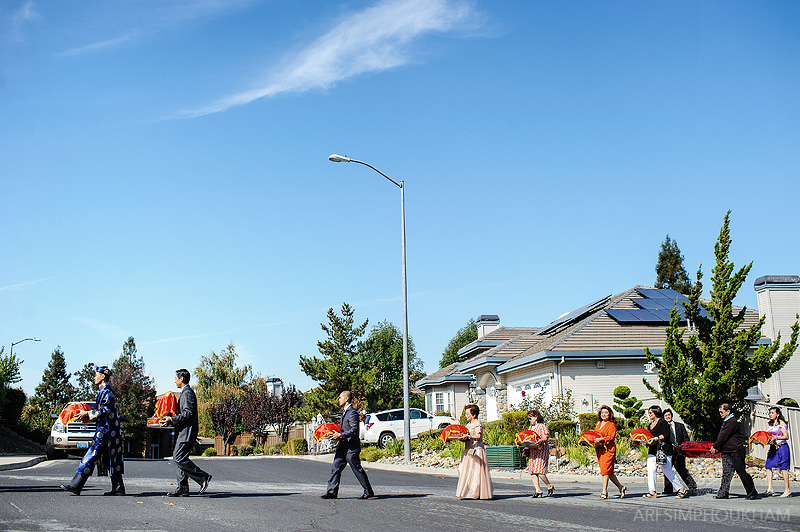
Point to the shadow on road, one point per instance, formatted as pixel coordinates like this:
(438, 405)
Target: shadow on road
(36, 489)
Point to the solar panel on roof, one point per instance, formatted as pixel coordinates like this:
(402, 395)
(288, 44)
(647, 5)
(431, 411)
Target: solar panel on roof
(572, 316)
(650, 304)
(622, 315)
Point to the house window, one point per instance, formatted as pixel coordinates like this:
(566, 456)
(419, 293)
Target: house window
(440, 406)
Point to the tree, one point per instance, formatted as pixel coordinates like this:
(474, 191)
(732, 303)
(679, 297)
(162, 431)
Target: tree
(339, 367)
(226, 416)
(381, 362)
(86, 390)
(55, 390)
(630, 407)
(9, 374)
(714, 364)
(262, 410)
(465, 335)
(135, 393)
(670, 272)
(215, 379)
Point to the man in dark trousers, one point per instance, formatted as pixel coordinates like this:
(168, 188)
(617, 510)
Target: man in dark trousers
(348, 450)
(186, 429)
(729, 443)
(678, 435)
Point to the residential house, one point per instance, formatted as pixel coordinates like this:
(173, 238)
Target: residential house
(779, 302)
(589, 351)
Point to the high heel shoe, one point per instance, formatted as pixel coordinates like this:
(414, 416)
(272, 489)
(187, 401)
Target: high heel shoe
(622, 492)
(550, 491)
(604, 495)
(537, 494)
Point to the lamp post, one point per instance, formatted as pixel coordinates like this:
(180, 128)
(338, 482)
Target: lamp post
(406, 404)
(11, 353)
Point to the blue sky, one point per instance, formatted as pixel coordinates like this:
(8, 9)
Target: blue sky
(164, 172)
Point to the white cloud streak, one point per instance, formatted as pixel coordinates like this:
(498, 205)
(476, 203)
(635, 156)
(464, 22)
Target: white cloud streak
(375, 39)
(100, 45)
(25, 14)
(26, 284)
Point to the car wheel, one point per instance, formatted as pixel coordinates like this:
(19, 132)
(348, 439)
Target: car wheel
(51, 453)
(443, 426)
(385, 438)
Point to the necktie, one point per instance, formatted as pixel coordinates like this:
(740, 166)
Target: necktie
(672, 429)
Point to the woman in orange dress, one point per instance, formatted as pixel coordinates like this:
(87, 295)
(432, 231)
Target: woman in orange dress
(607, 450)
(474, 481)
(540, 455)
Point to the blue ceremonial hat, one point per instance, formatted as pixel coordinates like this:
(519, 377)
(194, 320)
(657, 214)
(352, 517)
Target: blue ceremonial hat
(105, 370)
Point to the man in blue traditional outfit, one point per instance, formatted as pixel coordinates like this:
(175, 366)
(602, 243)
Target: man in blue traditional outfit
(107, 438)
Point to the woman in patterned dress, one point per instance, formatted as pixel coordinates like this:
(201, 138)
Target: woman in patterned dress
(778, 454)
(107, 438)
(606, 450)
(540, 454)
(474, 481)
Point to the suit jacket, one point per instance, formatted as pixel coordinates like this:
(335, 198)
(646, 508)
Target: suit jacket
(729, 439)
(185, 423)
(350, 429)
(681, 434)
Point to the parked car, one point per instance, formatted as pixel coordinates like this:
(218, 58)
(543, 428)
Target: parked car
(383, 427)
(74, 437)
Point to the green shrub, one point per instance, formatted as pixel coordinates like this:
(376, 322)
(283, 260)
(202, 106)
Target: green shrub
(454, 449)
(12, 406)
(372, 453)
(788, 401)
(297, 446)
(579, 454)
(245, 450)
(567, 438)
(629, 407)
(258, 450)
(210, 452)
(564, 427)
(252, 442)
(587, 421)
(432, 444)
(279, 448)
(623, 445)
(494, 436)
(430, 434)
(395, 447)
(514, 422)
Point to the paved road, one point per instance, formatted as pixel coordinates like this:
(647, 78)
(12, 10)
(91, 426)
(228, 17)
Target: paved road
(283, 494)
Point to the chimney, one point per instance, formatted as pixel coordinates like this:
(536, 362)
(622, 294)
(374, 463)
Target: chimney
(487, 323)
(778, 300)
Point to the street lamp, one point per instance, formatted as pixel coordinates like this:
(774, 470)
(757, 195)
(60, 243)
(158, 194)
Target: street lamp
(406, 405)
(11, 354)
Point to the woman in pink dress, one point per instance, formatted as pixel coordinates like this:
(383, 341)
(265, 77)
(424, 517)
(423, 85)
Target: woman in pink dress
(540, 454)
(474, 481)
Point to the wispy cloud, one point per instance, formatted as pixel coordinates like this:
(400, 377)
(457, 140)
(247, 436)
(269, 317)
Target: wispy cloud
(102, 44)
(375, 39)
(106, 329)
(25, 14)
(25, 284)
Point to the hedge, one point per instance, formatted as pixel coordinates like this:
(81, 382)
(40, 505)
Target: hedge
(561, 426)
(297, 446)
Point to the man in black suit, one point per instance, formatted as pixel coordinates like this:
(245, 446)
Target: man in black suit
(678, 435)
(729, 443)
(348, 451)
(186, 428)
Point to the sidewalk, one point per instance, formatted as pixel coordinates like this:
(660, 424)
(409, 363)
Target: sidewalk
(20, 461)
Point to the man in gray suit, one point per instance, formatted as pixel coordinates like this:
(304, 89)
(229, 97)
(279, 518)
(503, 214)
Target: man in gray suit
(186, 429)
(348, 451)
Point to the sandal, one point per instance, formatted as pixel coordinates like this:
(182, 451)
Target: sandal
(604, 495)
(785, 494)
(682, 494)
(768, 493)
(649, 496)
(622, 492)
(537, 494)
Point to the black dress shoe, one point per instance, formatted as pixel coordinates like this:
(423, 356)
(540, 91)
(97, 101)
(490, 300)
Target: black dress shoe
(367, 496)
(178, 493)
(116, 492)
(204, 485)
(328, 496)
(67, 487)
(718, 496)
(752, 497)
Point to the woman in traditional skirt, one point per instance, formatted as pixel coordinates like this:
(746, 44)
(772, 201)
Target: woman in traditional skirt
(474, 481)
(540, 454)
(778, 454)
(606, 450)
(107, 438)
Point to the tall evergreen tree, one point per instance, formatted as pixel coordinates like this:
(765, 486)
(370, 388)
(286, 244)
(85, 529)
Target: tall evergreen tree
(381, 377)
(215, 379)
(135, 393)
(55, 390)
(713, 366)
(465, 335)
(670, 272)
(85, 390)
(339, 367)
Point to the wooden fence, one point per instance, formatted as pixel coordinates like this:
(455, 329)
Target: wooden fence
(295, 431)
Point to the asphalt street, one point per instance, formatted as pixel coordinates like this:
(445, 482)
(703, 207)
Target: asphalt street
(284, 494)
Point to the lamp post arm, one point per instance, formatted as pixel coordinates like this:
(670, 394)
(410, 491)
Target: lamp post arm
(400, 184)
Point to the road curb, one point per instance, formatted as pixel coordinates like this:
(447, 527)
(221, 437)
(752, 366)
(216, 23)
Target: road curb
(20, 465)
